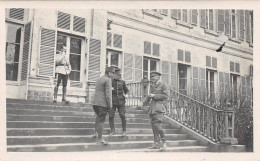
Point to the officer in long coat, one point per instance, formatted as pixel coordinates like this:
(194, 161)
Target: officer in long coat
(159, 93)
(63, 69)
(102, 102)
(119, 89)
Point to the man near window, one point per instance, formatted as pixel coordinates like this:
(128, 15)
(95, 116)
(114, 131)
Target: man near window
(102, 102)
(63, 69)
(156, 99)
(119, 89)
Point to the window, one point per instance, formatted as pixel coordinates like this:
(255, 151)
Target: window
(207, 19)
(182, 74)
(183, 15)
(221, 20)
(234, 86)
(184, 56)
(227, 22)
(113, 58)
(194, 17)
(210, 85)
(233, 24)
(241, 24)
(149, 65)
(74, 50)
(211, 62)
(114, 40)
(151, 48)
(16, 14)
(12, 50)
(249, 26)
(234, 67)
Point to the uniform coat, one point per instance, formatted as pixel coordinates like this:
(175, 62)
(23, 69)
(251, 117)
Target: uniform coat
(62, 64)
(118, 90)
(103, 92)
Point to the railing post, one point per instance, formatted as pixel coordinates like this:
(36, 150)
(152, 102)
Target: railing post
(229, 116)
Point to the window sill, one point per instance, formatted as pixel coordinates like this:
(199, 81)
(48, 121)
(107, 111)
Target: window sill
(234, 39)
(21, 22)
(152, 14)
(151, 56)
(184, 24)
(71, 32)
(211, 32)
(13, 83)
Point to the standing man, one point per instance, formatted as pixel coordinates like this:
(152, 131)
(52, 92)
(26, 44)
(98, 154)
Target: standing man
(157, 107)
(144, 83)
(119, 89)
(102, 102)
(63, 69)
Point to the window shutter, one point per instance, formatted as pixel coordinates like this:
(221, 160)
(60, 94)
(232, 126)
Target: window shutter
(194, 17)
(94, 59)
(195, 82)
(138, 68)
(203, 18)
(180, 55)
(187, 57)
(202, 79)
(233, 24)
(128, 67)
(227, 81)
(63, 20)
(174, 80)
(227, 22)
(232, 67)
(16, 13)
(221, 84)
(174, 13)
(156, 49)
(164, 12)
(109, 37)
(117, 41)
(221, 17)
(165, 72)
(252, 27)
(237, 67)
(241, 24)
(249, 87)
(243, 82)
(147, 48)
(79, 24)
(208, 61)
(211, 21)
(179, 14)
(26, 51)
(247, 26)
(47, 52)
(185, 15)
(214, 62)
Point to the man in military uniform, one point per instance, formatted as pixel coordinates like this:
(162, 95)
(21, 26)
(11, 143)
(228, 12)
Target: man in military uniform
(159, 93)
(102, 102)
(119, 89)
(63, 69)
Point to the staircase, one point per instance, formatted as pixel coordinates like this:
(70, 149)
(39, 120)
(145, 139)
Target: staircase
(34, 126)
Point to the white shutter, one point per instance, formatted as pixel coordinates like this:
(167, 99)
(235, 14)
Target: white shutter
(138, 68)
(174, 80)
(16, 13)
(203, 18)
(227, 22)
(47, 52)
(165, 72)
(79, 24)
(63, 20)
(128, 67)
(195, 82)
(221, 18)
(194, 17)
(94, 59)
(26, 51)
(248, 26)
(202, 79)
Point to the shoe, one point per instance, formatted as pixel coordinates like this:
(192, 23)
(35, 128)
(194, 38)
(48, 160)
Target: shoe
(101, 142)
(164, 146)
(112, 133)
(124, 134)
(64, 93)
(66, 101)
(154, 147)
(55, 100)
(95, 135)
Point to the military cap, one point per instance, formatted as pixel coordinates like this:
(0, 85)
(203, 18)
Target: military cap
(110, 69)
(154, 73)
(118, 71)
(64, 47)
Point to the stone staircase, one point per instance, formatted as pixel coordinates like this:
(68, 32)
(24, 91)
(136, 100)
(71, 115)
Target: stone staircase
(34, 126)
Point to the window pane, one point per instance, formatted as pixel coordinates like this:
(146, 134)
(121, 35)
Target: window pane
(75, 46)
(75, 62)
(61, 40)
(12, 53)
(74, 75)
(11, 71)
(145, 65)
(114, 59)
(183, 84)
(13, 33)
(182, 72)
(152, 65)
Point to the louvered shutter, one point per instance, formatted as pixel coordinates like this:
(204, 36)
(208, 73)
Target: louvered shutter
(227, 22)
(249, 88)
(203, 18)
(221, 17)
(244, 86)
(227, 85)
(214, 62)
(221, 84)
(94, 59)
(241, 24)
(247, 26)
(63, 20)
(128, 67)
(174, 80)
(165, 72)
(180, 55)
(26, 51)
(109, 38)
(47, 52)
(138, 68)
(79, 24)
(174, 13)
(147, 48)
(164, 12)
(208, 61)
(16, 13)
(179, 14)
(117, 41)
(194, 17)
(195, 82)
(202, 79)
(156, 49)
(187, 57)
(232, 66)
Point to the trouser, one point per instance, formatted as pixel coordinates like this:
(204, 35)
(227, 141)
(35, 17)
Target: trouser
(64, 79)
(121, 111)
(156, 122)
(101, 113)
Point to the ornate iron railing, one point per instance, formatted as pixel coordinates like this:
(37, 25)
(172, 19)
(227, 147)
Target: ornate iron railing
(210, 122)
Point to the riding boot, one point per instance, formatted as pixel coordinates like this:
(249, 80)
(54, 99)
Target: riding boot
(64, 95)
(55, 94)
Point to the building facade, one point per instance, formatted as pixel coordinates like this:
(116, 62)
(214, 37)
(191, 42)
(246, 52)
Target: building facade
(179, 43)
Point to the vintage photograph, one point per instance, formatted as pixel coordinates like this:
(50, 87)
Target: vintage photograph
(129, 80)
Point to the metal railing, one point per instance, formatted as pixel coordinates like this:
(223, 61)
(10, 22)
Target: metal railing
(197, 116)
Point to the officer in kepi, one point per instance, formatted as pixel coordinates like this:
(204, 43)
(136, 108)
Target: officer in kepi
(156, 99)
(119, 89)
(63, 69)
